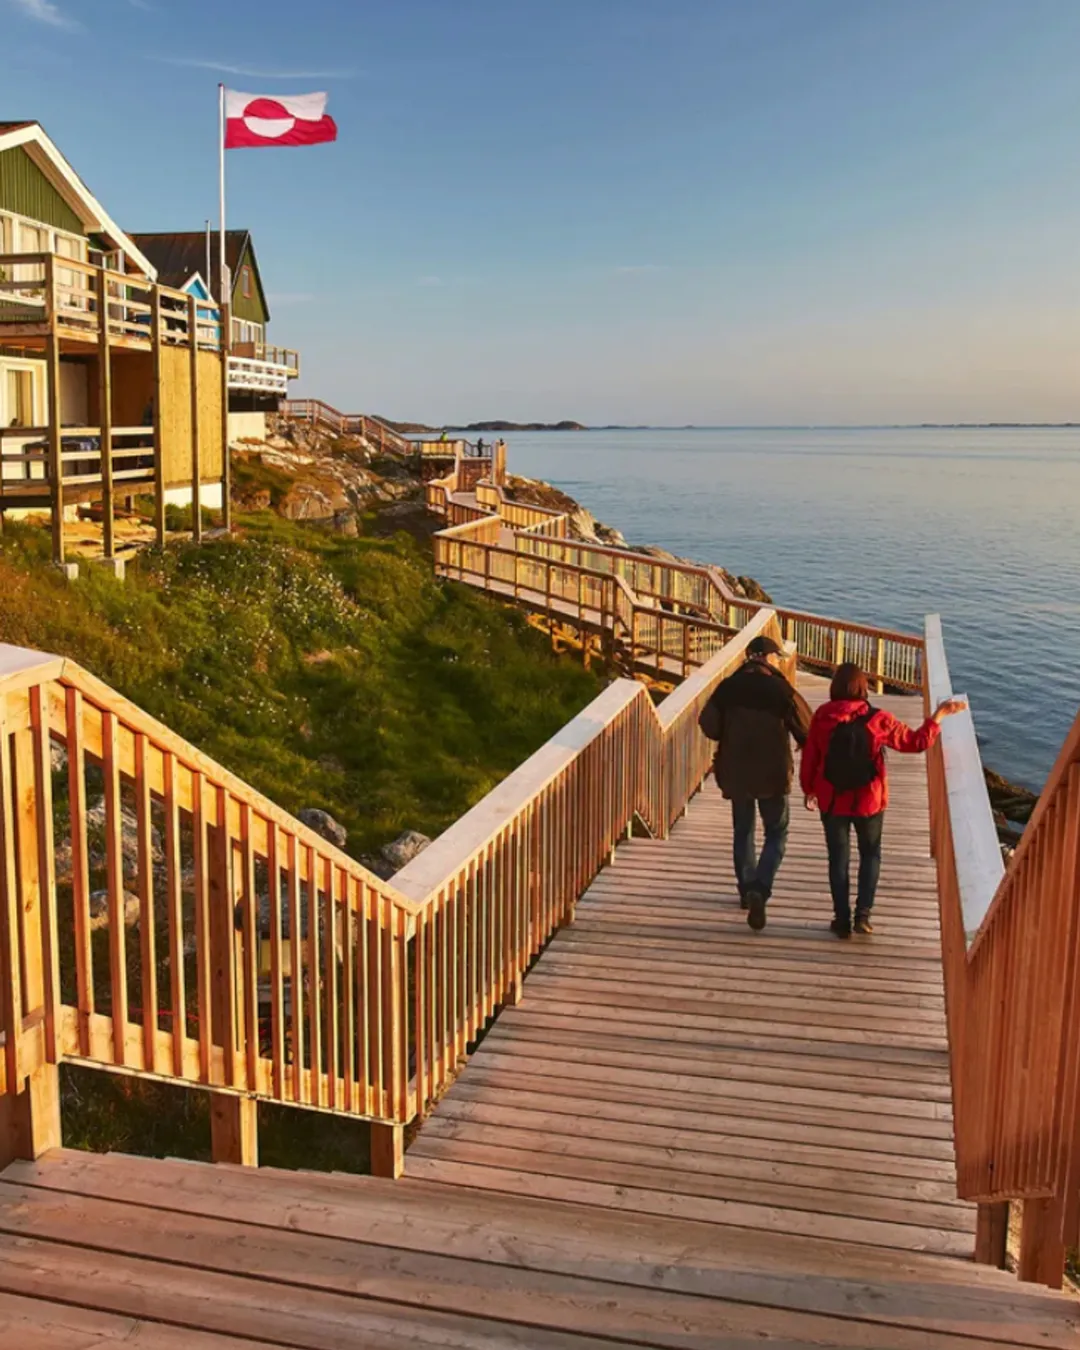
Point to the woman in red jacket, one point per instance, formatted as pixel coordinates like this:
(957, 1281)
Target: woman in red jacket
(843, 773)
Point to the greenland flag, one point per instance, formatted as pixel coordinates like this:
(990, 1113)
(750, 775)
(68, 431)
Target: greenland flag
(278, 119)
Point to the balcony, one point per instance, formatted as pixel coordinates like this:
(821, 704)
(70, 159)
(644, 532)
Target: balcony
(44, 294)
(260, 368)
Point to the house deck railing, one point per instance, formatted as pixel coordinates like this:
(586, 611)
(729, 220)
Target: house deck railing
(45, 292)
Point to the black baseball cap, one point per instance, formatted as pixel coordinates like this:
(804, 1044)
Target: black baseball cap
(764, 646)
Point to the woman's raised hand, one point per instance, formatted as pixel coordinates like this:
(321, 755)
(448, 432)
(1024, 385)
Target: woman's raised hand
(948, 707)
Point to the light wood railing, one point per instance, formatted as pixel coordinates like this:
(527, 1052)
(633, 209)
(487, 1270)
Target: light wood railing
(49, 291)
(159, 917)
(132, 454)
(1011, 950)
(892, 659)
(314, 412)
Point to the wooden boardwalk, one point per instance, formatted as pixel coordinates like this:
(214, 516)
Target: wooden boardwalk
(687, 1135)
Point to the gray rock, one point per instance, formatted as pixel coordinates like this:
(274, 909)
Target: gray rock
(99, 910)
(57, 756)
(324, 825)
(408, 845)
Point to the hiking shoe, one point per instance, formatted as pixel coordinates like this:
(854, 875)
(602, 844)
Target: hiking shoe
(863, 924)
(755, 909)
(841, 927)
(744, 903)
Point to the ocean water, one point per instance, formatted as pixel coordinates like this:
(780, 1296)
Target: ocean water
(881, 526)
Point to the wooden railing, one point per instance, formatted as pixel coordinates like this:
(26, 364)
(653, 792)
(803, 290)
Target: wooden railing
(161, 918)
(284, 359)
(260, 376)
(132, 455)
(891, 658)
(677, 612)
(1011, 948)
(47, 291)
(314, 412)
(641, 635)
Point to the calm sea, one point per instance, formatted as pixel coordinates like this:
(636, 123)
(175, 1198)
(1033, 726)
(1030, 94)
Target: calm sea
(882, 526)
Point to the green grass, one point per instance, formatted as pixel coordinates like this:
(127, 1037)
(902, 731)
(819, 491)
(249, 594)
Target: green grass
(325, 671)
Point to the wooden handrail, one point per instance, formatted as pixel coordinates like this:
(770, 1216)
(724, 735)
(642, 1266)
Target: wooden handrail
(1011, 952)
(229, 886)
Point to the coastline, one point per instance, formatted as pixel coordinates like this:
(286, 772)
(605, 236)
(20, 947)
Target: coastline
(1011, 803)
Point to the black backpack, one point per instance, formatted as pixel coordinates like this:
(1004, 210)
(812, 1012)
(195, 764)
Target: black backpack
(850, 762)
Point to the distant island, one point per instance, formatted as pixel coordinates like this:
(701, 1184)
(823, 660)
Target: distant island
(497, 425)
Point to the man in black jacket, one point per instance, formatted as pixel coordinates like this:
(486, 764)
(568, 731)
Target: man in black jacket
(754, 715)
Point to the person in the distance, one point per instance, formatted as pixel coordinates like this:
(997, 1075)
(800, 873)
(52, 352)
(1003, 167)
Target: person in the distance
(843, 774)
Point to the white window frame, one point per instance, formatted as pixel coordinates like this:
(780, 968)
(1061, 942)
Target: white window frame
(14, 224)
(12, 441)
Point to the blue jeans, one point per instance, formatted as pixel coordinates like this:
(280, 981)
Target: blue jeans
(838, 842)
(750, 870)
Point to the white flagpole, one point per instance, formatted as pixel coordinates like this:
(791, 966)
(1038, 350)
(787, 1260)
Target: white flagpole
(223, 280)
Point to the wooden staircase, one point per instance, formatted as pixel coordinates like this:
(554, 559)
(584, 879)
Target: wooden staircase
(685, 1135)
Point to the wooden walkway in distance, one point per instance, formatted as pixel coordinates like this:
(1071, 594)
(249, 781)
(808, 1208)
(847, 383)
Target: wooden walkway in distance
(688, 1135)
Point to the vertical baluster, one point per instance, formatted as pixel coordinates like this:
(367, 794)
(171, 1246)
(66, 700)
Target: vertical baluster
(114, 870)
(296, 972)
(40, 724)
(330, 930)
(147, 937)
(204, 970)
(174, 905)
(11, 992)
(277, 979)
(250, 949)
(80, 868)
(318, 1094)
(347, 889)
(365, 999)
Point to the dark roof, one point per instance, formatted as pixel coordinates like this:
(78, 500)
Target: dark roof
(15, 126)
(177, 257)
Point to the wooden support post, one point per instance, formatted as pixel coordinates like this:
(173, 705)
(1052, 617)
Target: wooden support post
(108, 541)
(196, 466)
(234, 1130)
(226, 474)
(387, 1150)
(30, 1120)
(839, 649)
(159, 459)
(1042, 1251)
(879, 666)
(992, 1234)
(56, 463)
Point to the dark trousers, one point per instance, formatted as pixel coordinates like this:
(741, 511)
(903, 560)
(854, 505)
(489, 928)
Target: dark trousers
(838, 842)
(751, 870)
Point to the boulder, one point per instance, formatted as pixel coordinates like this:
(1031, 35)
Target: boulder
(324, 825)
(99, 910)
(408, 845)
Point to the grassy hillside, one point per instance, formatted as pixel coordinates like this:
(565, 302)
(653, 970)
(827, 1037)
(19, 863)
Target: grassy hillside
(326, 671)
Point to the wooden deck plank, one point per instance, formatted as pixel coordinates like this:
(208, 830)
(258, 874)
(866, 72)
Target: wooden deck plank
(688, 1135)
(876, 1289)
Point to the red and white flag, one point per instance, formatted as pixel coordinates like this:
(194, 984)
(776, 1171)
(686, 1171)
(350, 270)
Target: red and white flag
(278, 119)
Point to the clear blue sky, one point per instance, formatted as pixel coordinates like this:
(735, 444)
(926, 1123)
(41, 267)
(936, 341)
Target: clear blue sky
(668, 211)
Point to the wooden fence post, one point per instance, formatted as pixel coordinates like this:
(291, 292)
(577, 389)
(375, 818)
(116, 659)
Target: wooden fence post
(159, 459)
(105, 439)
(56, 461)
(234, 1134)
(387, 1150)
(992, 1234)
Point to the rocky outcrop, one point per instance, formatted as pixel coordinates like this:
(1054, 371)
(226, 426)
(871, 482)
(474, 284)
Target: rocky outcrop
(397, 854)
(324, 825)
(306, 474)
